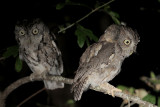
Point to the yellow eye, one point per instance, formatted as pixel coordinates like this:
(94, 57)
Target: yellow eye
(127, 42)
(35, 31)
(21, 32)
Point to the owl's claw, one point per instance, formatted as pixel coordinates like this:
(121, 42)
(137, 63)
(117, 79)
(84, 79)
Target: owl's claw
(33, 75)
(110, 89)
(115, 90)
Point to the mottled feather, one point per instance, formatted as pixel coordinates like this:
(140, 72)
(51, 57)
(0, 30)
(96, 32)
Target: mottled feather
(102, 61)
(38, 49)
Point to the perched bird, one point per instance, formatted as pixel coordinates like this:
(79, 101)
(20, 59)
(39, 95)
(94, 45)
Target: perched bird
(102, 61)
(39, 50)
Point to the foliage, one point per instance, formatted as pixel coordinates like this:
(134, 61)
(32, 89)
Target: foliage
(158, 101)
(18, 65)
(152, 75)
(150, 98)
(129, 90)
(115, 16)
(84, 35)
(70, 103)
(12, 51)
(81, 32)
(141, 93)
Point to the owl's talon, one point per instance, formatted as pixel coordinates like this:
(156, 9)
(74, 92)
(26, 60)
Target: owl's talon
(32, 76)
(115, 90)
(110, 89)
(43, 75)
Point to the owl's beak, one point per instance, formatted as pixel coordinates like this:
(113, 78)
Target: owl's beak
(133, 51)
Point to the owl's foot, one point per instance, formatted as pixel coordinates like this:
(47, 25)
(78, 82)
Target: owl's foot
(110, 89)
(115, 90)
(33, 75)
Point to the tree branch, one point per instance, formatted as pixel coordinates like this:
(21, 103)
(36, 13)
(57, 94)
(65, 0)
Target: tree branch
(27, 79)
(85, 16)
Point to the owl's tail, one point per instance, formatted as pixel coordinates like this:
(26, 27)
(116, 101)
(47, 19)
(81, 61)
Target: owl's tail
(51, 85)
(77, 89)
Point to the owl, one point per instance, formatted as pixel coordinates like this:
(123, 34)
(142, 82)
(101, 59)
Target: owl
(38, 49)
(102, 61)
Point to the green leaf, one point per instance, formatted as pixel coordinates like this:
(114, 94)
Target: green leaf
(116, 20)
(114, 15)
(18, 65)
(81, 40)
(11, 51)
(80, 37)
(70, 101)
(60, 6)
(150, 98)
(88, 33)
(87, 41)
(131, 90)
(152, 75)
(122, 87)
(158, 101)
(83, 34)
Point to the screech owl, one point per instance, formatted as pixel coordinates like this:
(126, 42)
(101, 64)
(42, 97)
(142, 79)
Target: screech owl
(102, 61)
(38, 49)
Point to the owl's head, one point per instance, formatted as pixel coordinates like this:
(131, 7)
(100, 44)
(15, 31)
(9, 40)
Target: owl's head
(127, 40)
(30, 32)
(123, 36)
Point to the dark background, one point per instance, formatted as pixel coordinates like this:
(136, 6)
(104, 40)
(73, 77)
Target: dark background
(141, 15)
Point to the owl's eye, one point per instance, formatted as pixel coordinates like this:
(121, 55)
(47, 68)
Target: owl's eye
(21, 32)
(35, 31)
(127, 42)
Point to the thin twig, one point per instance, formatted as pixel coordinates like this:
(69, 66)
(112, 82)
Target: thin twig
(24, 80)
(28, 98)
(11, 88)
(146, 80)
(71, 25)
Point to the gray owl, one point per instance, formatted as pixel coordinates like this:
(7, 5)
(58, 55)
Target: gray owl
(102, 61)
(38, 49)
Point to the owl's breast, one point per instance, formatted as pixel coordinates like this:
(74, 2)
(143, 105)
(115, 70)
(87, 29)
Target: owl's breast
(32, 61)
(105, 72)
(112, 69)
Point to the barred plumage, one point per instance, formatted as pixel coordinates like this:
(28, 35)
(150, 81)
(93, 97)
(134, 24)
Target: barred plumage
(102, 61)
(38, 49)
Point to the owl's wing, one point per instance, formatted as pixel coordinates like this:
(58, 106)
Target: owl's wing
(52, 59)
(94, 56)
(90, 52)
